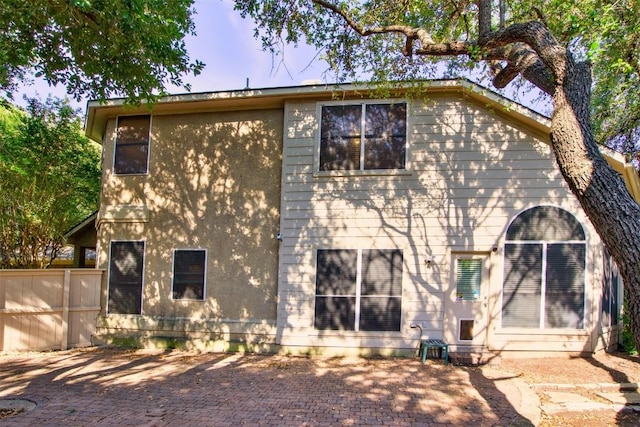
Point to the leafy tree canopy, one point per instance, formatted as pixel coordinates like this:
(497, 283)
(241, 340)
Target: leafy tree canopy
(97, 48)
(49, 180)
(404, 40)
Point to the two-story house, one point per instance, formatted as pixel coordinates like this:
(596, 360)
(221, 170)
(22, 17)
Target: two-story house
(319, 219)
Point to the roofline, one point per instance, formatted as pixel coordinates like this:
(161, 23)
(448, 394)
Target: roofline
(98, 112)
(81, 225)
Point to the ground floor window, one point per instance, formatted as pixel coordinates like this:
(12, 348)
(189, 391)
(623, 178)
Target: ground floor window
(611, 284)
(544, 270)
(358, 289)
(189, 274)
(126, 260)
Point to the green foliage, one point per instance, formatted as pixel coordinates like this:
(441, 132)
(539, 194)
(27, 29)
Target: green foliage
(49, 180)
(97, 48)
(607, 33)
(628, 342)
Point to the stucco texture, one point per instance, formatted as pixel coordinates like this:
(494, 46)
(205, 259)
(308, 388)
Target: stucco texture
(213, 184)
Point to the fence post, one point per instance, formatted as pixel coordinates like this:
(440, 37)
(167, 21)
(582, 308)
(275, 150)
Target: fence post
(65, 309)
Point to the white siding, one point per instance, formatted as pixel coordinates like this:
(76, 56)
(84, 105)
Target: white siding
(469, 172)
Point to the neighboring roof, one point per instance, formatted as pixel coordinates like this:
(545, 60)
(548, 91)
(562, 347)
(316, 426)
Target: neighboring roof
(82, 226)
(98, 113)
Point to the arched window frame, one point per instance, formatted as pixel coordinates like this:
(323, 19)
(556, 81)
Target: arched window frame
(544, 244)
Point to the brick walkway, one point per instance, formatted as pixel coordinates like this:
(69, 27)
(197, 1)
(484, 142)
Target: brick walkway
(109, 387)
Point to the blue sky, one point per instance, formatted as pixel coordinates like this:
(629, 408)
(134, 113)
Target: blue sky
(225, 43)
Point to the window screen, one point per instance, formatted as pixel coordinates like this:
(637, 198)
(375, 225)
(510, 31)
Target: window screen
(544, 270)
(189, 274)
(347, 142)
(125, 277)
(610, 291)
(358, 290)
(522, 287)
(132, 145)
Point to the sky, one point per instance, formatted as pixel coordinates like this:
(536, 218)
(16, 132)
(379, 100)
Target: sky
(225, 43)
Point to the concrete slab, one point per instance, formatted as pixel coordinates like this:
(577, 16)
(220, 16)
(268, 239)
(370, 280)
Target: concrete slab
(624, 398)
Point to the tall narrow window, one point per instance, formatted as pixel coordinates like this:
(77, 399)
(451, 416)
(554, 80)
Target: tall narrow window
(189, 274)
(132, 145)
(363, 137)
(125, 277)
(358, 290)
(544, 270)
(611, 283)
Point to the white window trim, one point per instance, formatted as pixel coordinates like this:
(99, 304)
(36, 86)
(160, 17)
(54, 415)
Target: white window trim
(358, 294)
(115, 144)
(317, 173)
(483, 274)
(144, 255)
(204, 284)
(544, 243)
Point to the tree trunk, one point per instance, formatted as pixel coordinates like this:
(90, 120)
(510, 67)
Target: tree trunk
(599, 189)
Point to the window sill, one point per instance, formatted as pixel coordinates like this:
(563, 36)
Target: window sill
(536, 331)
(352, 173)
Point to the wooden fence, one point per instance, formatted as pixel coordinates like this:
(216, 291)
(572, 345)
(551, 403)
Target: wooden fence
(51, 309)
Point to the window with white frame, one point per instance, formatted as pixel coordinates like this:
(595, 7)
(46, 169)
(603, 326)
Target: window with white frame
(544, 270)
(611, 284)
(132, 145)
(358, 289)
(189, 274)
(126, 261)
(468, 279)
(364, 136)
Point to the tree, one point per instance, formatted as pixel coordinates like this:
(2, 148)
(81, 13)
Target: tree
(583, 55)
(97, 48)
(49, 180)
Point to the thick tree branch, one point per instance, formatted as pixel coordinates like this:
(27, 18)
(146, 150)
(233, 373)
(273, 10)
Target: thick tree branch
(528, 48)
(411, 32)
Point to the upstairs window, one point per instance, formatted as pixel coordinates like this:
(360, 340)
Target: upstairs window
(189, 274)
(358, 290)
(132, 145)
(363, 137)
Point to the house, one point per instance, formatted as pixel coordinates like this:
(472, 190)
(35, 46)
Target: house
(319, 219)
(83, 238)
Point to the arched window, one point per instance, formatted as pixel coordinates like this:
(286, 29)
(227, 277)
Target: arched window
(544, 270)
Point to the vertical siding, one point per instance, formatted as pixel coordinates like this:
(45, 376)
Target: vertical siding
(34, 314)
(470, 171)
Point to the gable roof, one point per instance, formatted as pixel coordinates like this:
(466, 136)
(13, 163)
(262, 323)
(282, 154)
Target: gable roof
(98, 113)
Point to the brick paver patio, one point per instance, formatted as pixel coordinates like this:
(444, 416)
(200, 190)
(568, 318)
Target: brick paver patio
(111, 387)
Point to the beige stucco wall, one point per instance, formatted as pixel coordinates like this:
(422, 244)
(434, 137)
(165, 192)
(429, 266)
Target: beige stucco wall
(470, 171)
(214, 184)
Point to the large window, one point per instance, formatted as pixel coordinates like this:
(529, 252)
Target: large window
(358, 289)
(125, 277)
(363, 137)
(544, 270)
(132, 145)
(189, 274)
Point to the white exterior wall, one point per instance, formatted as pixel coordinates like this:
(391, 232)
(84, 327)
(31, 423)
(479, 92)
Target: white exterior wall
(469, 172)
